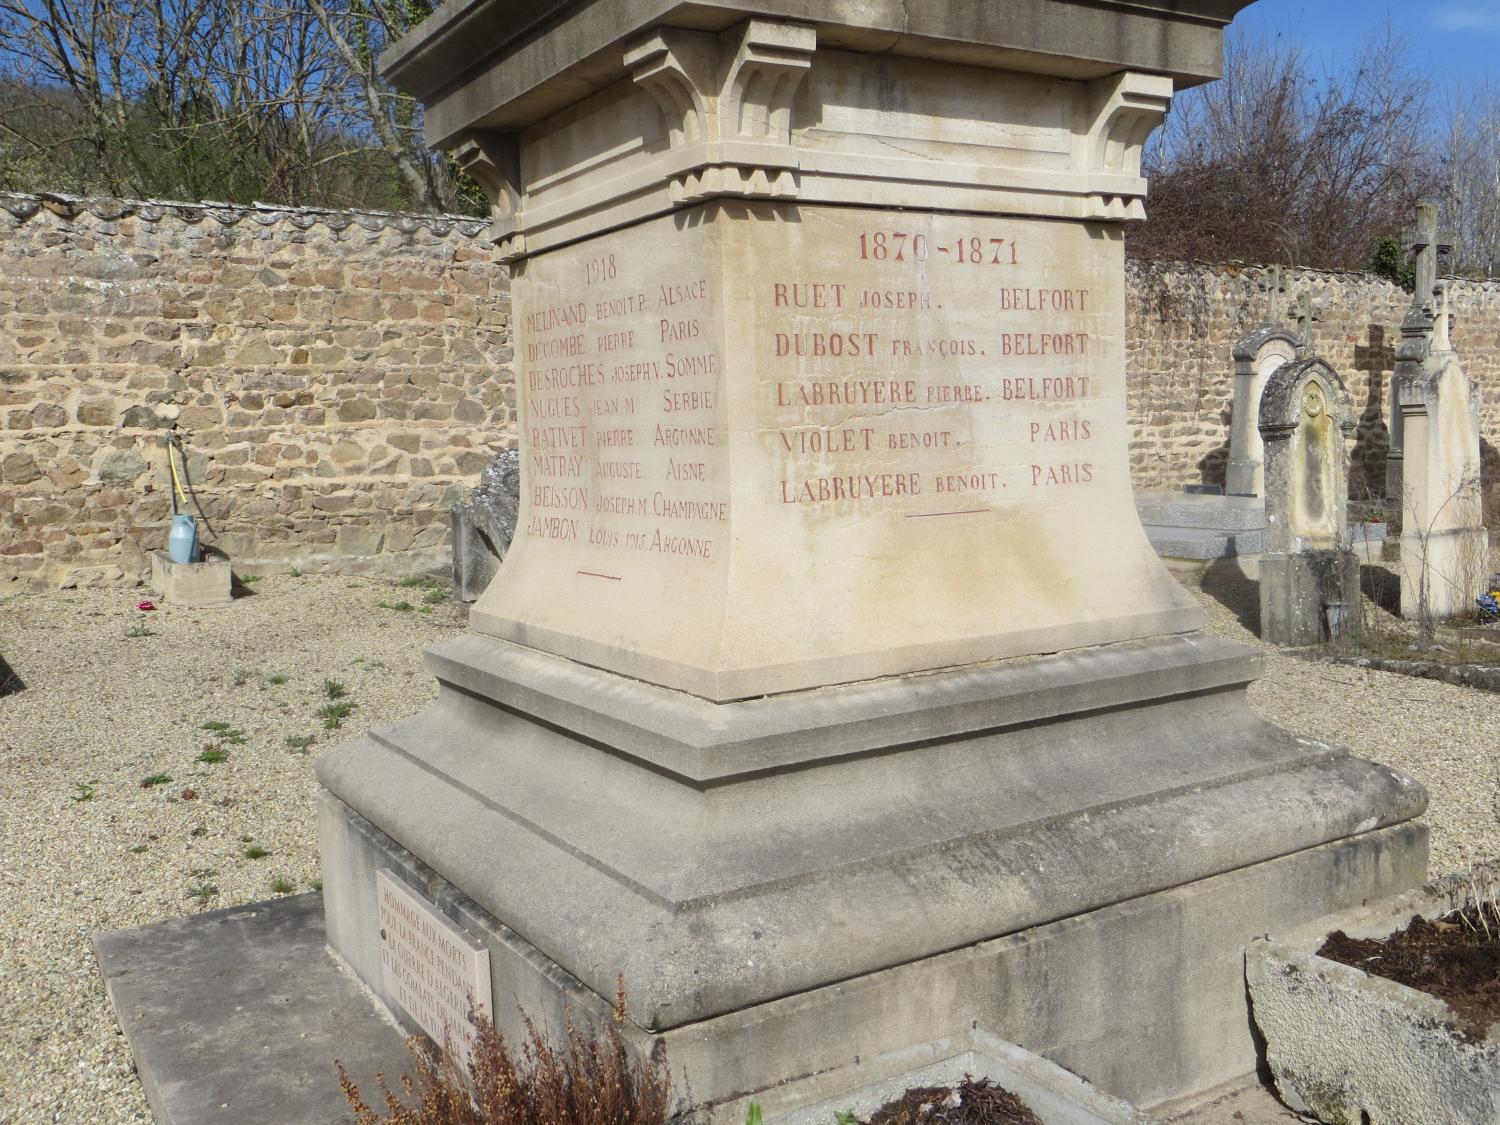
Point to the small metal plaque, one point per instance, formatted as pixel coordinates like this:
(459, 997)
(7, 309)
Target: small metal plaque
(430, 967)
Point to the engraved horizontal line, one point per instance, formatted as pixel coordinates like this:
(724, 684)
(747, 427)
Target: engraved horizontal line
(596, 574)
(931, 515)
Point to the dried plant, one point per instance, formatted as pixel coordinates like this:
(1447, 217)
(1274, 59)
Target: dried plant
(588, 1079)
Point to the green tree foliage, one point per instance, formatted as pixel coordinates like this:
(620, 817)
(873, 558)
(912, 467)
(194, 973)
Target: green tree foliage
(1390, 261)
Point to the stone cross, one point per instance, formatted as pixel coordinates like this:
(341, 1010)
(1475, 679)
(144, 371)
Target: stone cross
(1425, 242)
(1275, 285)
(1306, 316)
(1441, 341)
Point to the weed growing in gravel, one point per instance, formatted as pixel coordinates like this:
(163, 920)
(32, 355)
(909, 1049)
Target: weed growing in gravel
(85, 790)
(226, 733)
(150, 781)
(251, 579)
(296, 573)
(316, 884)
(139, 631)
(334, 690)
(212, 755)
(242, 676)
(300, 741)
(202, 892)
(435, 597)
(399, 607)
(421, 582)
(276, 680)
(199, 831)
(255, 851)
(140, 849)
(282, 886)
(334, 714)
(372, 665)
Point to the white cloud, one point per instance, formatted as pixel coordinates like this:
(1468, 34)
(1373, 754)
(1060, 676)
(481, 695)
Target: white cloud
(1467, 16)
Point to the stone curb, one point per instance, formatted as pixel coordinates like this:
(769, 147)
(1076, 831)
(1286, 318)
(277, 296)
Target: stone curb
(1347, 1046)
(1484, 677)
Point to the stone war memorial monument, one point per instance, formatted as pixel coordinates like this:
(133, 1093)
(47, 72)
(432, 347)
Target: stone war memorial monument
(830, 693)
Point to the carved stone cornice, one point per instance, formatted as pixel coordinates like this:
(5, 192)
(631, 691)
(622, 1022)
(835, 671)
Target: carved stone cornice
(493, 160)
(727, 102)
(1126, 109)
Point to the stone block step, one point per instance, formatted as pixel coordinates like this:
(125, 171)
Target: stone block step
(1186, 509)
(1204, 543)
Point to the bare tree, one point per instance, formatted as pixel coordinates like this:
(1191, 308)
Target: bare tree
(1472, 189)
(238, 100)
(1279, 163)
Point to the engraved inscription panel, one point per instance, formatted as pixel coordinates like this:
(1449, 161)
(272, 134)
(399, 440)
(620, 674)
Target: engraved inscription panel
(768, 447)
(429, 966)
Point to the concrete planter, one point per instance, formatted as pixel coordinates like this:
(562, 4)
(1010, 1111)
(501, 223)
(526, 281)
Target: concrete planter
(1350, 1048)
(1055, 1095)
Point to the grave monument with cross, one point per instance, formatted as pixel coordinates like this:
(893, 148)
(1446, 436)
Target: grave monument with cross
(1425, 243)
(830, 692)
(1307, 315)
(1445, 547)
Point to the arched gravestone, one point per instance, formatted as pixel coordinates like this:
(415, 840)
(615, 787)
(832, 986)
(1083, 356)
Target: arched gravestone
(1256, 358)
(830, 690)
(1309, 576)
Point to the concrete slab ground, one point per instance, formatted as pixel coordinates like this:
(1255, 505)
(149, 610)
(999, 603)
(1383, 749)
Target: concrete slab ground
(235, 1016)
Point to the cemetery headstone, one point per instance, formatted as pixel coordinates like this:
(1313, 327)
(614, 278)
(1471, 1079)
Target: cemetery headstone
(483, 524)
(1256, 358)
(830, 693)
(1309, 576)
(1424, 245)
(1444, 544)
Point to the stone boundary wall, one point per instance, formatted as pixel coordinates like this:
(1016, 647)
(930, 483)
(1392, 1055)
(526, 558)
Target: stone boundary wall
(339, 378)
(1183, 319)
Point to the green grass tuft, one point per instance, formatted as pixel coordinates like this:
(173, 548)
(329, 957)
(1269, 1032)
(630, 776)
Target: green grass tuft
(334, 714)
(150, 781)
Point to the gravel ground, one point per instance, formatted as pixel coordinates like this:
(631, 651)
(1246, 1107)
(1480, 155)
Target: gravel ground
(89, 849)
(103, 710)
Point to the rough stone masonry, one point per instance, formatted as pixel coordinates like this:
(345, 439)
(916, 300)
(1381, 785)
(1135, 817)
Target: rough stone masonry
(338, 379)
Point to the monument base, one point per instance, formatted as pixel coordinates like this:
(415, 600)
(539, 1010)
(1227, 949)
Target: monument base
(1310, 598)
(1068, 851)
(1451, 563)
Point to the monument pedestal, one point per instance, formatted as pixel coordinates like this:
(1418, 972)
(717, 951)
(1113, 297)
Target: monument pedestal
(1069, 850)
(830, 694)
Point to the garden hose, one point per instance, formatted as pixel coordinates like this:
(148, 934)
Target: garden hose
(177, 493)
(175, 441)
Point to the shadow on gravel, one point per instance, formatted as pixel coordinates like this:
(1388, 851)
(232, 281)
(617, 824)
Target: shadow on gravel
(10, 683)
(1226, 584)
(1382, 586)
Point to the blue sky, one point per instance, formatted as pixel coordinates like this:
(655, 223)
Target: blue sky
(1457, 41)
